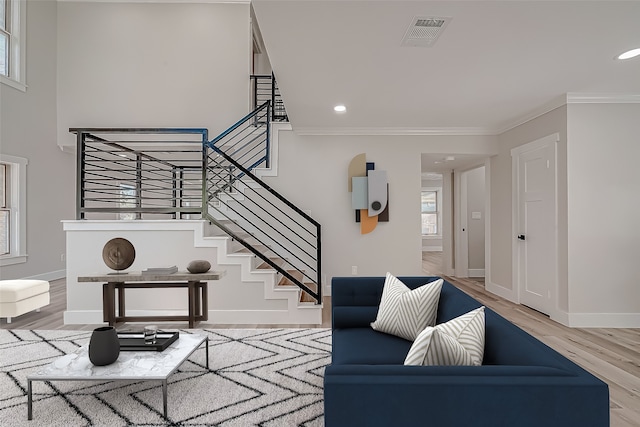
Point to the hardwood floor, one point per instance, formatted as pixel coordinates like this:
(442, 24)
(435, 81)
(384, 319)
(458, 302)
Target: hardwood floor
(611, 354)
(51, 317)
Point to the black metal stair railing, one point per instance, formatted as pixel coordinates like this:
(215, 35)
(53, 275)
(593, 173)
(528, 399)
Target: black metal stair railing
(254, 214)
(265, 88)
(135, 172)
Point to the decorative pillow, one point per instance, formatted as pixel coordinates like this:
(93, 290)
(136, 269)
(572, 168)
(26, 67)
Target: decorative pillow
(405, 312)
(459, 341)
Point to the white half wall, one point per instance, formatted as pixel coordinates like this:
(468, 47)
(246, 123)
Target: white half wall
(159, 244)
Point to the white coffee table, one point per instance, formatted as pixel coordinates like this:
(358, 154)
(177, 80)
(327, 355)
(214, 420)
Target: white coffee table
(131, 365)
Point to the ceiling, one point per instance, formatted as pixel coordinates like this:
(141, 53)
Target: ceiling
(495, 65)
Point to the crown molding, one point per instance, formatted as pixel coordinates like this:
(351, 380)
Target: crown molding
(392, 131)
(603, 98)
(556, 102)
(570, 98)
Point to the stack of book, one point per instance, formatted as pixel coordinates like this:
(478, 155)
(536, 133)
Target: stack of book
(160, 270)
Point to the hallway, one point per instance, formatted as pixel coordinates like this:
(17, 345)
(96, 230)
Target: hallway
(432, 263)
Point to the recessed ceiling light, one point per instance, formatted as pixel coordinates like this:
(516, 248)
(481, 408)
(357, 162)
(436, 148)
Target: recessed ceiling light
(339, 108)
(449, 158)
(629, 54)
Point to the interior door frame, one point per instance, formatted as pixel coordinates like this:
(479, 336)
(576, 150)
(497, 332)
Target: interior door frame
(462, 232)
(515, 221)
(461, 215)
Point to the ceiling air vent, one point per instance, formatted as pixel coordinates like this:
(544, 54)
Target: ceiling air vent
(424, 30)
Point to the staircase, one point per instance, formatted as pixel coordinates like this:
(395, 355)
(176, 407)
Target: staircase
(179, 173)
(259, 220)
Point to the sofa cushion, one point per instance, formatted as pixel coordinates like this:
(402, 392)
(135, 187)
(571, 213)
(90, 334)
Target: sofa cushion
(17, 290)
(457, 342)
(405, 312)
(364, 346)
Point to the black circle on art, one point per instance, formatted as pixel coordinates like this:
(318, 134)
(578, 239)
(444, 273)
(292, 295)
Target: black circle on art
(376, 205)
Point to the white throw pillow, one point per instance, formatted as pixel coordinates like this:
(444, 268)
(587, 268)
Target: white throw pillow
(405, 312)
(459, 341)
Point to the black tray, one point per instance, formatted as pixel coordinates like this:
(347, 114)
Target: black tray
(134, 341)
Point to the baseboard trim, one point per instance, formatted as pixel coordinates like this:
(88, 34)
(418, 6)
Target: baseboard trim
(476, 272)
(52, 275)
(223, 317)
(604, 320)
(82, 317)
(269, 317)
(500, 291)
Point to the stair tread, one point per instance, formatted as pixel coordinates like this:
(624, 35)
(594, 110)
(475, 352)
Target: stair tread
(264, 266)
(285, 281)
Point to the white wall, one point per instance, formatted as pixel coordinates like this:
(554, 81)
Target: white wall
(604, 208)
(597, 183)
(313, 175)
(152, 65)
(28, 129)
(499, 278)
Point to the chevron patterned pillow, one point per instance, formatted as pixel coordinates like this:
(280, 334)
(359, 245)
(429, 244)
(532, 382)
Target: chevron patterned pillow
(459, 341)
(405, 312)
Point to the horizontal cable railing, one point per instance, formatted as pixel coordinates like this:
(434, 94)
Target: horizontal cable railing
(265, 88)
(134, 172)
(258, 217)
(247, 141)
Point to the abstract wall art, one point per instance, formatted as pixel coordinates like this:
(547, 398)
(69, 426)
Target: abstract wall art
(369, 190)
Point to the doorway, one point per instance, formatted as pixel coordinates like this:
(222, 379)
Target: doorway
(535, 223)
(470, 218)
(432, 207)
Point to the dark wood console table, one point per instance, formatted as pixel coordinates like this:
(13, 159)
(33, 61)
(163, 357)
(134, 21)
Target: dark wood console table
(196, 285)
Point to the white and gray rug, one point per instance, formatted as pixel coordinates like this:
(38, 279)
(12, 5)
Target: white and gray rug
(256, 377)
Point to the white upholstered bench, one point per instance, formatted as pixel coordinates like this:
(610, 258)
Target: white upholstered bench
(21, 296)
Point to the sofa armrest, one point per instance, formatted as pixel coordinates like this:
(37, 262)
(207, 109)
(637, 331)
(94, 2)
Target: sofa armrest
(399, 396)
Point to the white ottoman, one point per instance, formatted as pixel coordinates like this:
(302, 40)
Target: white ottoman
(21, 296)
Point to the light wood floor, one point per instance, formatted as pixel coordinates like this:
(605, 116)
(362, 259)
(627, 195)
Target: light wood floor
(611, 354)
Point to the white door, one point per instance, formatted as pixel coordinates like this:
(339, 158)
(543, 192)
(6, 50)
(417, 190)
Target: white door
(535, 224)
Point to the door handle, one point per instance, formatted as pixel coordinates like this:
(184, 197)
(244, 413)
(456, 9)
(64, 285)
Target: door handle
(521, 236)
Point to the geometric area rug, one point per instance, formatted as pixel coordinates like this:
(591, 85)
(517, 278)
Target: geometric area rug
(256, 377)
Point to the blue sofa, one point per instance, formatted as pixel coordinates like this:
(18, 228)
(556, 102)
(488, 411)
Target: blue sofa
(522, 382)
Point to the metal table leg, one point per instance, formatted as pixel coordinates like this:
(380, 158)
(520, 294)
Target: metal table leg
(192, 303)
(164, 398)
(29, 401)
(206, 343)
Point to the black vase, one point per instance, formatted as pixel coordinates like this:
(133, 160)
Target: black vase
(104, 347)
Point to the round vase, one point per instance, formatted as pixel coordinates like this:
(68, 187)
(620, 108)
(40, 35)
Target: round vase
(104, 347)
(198, 266)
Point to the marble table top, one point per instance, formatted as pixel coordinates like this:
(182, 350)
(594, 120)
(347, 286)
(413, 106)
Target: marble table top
(131, 365)
(179, 276)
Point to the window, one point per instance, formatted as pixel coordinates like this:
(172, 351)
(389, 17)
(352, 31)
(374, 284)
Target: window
(5, 35)
(127, 200)
(430, 223)
(5, 212)
(13, 176)
(12, 52)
